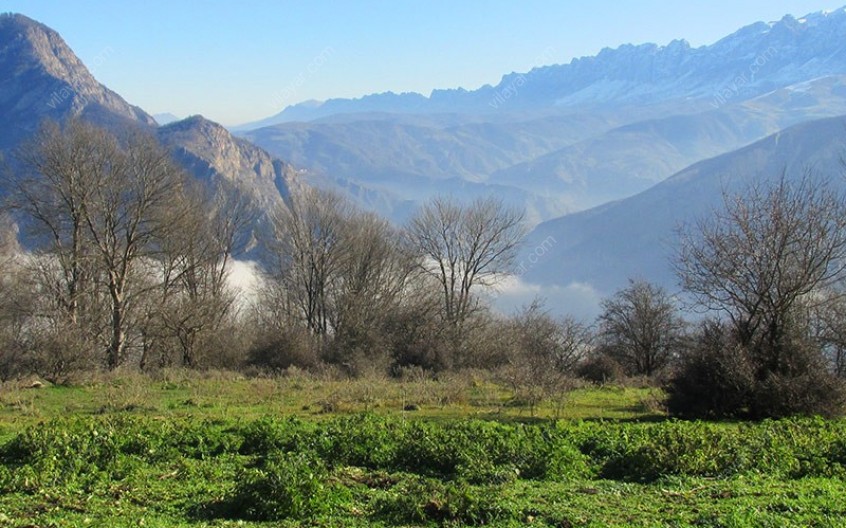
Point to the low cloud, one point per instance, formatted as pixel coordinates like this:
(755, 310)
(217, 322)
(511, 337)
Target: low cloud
(579, 299)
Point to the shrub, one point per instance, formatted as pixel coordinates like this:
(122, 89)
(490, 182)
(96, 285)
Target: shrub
(717, 377)
(285, 486)
(277, 350)
(714, 376)
(600, 369)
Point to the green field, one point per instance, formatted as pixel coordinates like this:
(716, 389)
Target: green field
(221, 450)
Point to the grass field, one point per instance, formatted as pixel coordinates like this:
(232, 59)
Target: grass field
(221, 450)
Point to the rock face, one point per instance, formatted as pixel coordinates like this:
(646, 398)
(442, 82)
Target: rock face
(212, 154)
(40, 77)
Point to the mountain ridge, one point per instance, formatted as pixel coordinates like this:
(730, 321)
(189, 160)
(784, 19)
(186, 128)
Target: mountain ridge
(43, 79)
(631, 74)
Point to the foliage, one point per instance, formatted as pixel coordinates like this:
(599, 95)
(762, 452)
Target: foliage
(369, 470)
(285, 485)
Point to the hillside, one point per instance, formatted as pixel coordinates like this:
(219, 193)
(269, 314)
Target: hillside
(634, 238)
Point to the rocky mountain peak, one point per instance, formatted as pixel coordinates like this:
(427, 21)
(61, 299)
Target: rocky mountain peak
(41, 77)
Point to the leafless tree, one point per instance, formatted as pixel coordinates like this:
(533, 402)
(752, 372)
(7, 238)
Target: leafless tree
(100, 204)
(640, 328)
(342, 274)
(464, 247)
(60, 166)
(369, 286)
(767, 261)
(828, 321)
(763, 256)
(193, 300)
(544, 354)
(310, 251)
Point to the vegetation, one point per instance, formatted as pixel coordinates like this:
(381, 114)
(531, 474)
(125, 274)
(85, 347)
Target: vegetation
(175, 463)
(368, 383)
(770, 261)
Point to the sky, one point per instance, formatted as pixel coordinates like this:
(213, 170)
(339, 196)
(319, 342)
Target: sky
(236, 62)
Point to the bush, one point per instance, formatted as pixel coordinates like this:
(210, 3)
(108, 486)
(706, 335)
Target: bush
(277, 350)
(711, 381)
(600, 369)
(285, 486)
(813, 393)
(717, 378)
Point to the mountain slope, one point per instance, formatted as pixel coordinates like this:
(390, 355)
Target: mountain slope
(43, 79)
(40, 77)
(212, 154)
(629, 159)
(636, 237)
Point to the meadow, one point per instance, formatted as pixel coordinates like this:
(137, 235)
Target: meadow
(188, 450)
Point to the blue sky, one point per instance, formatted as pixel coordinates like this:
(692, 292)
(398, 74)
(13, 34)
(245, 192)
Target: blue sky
(240, 61)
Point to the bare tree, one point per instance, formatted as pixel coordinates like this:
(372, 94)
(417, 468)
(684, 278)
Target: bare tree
(544, 354)
(828, 321)
(367, 289)
(342, 274)
(763, 257)
(129, 209)
(640, 328)
(310, 251)
(193, 300)
(465, 247)
(60, 168)
(766, 261)
(100, 205)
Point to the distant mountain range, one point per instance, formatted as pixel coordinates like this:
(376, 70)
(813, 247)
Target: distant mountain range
(607, 153)
(755, 60)
(564, 138)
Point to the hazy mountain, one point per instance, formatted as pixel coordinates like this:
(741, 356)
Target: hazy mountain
(40, 77)
(629, 159)
(563, 138)
(408, 159)
(551, 165)
(166, 118)
(604, 246)
(754, 60)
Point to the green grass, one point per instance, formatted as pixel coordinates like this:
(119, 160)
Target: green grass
(222, 395)
(190, 451)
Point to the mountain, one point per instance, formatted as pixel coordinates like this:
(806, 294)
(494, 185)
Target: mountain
(564, 138)
(635, 238)
(41, 78)
(753, 61)
(166, 118)
(214, 156)
(401, 160)
(628, 159)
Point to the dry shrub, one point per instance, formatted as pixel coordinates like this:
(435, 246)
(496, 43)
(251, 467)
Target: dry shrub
(600, 369)
(719, 378)
(279, 350)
